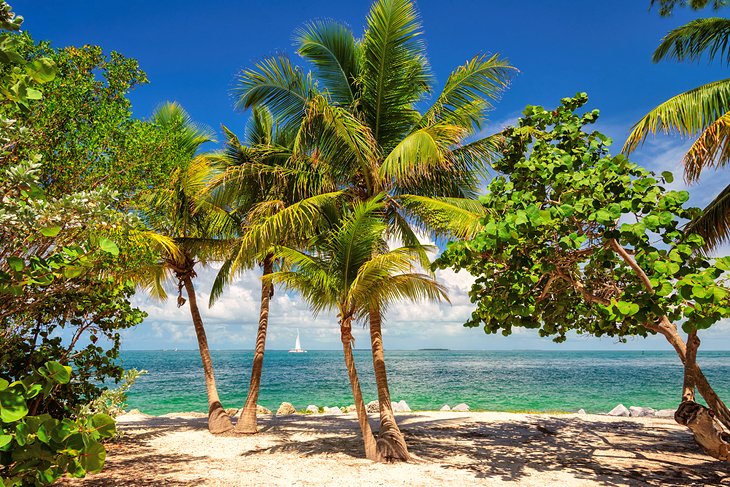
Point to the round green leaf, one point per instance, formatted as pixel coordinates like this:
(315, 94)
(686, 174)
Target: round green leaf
(108, 246)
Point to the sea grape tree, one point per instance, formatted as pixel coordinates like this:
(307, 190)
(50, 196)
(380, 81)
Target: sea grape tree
(577, 240)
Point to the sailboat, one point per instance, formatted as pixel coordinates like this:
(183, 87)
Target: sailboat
(297, 346)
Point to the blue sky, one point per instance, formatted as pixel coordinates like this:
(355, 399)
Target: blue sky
(192, 52)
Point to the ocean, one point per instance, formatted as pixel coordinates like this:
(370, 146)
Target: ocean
(486, 380)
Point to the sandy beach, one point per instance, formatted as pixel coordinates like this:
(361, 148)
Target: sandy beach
(474, 448)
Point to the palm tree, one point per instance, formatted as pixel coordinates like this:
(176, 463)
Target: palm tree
(175, 210)
(351, 270)
(358, 112)
(702, 112)
(274, 198)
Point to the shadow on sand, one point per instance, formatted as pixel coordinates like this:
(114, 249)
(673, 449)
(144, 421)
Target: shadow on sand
(604, 450)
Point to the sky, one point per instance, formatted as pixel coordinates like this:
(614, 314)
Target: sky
(192, 52)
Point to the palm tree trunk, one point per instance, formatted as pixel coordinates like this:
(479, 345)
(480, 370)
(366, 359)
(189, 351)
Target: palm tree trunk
(218, 420)
(247, 422)
(371, 450)
(391, 443)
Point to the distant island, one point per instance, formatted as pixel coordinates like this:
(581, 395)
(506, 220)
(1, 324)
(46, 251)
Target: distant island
(433, 349)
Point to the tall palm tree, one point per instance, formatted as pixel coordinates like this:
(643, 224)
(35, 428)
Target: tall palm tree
(702, 112)
(358, 112)
(350, 270)
(175, 210)
(274, 198)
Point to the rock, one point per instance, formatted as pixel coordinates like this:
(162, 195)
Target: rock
(262, 410)
(461, 407)
(133, 411)
(619, 410)
(351, 408)
(639, 412)
(445, 408)
(312, 409)
(581, 411)
(401, 407)
(285, 409)
(664, 413)
(231, 412)
(333, 410)
(373, 407)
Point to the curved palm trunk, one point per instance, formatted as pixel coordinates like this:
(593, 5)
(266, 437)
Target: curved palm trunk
(391, 443)
(371, 451)
(247, 422)
(218, 420)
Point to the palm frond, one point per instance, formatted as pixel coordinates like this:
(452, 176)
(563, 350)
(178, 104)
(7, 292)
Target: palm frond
(468, 92)
(714, 223)
(449, 217)
(690, 41)
(187, 135)
(331, 47)
(395, 73)
(710, 150)
(222, 279)
(259, 128)
(421, 151)
(292, 223)
(278, 85)
(403, 287)
(333, 135)
(686, 114)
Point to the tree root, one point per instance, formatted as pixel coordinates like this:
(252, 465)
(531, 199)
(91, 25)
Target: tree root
(708, 432)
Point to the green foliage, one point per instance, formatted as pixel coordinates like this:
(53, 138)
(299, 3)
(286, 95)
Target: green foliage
(666, 7)
(39, 449)
(19, 78)
(83, 128)
(577, 239)
(112, 402)
(351, 270)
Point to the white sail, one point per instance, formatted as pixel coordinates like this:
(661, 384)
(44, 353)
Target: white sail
(297, 346)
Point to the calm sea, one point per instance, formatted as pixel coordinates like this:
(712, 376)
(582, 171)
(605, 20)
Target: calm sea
(490, 380)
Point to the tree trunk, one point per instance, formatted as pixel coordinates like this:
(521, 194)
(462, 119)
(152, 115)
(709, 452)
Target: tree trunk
(700, 420)
(371, 450)
(218, 420)
(391, 443)
(247, 422)
(722, 413)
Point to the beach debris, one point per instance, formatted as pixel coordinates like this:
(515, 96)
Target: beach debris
(619, 410)
(351, 408)
(231, 412)
(285, 409)
(461, 407)
(401, 407)
(664, 413)
(639, 412)
(262, 410)
(582, 411)
(373, 407)
(445, 407)
(332, 410)
(312, 409)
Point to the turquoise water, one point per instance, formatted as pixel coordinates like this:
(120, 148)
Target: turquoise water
(491, 380)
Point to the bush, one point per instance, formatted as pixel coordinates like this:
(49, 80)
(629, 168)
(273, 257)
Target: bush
(37, 450)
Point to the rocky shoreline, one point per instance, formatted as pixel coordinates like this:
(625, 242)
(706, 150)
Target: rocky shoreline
(286, 409)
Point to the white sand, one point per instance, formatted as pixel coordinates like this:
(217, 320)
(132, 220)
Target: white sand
(477, 448)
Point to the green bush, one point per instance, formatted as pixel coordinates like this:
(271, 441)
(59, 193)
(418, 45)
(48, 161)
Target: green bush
(37, 450)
